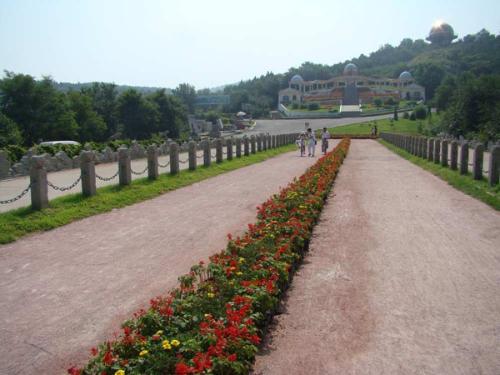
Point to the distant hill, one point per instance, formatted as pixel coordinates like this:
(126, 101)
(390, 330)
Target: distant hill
(67, 86)
(429, 63)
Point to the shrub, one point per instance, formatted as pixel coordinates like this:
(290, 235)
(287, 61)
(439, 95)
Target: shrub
(295, 106)
(420, 112)
(412, 116)
(15, 152)
(377, 102)
(406, 115)
(212, 321)
(313, 106)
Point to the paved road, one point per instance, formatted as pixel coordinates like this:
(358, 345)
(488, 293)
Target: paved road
(65, 290)
(403, 277)
(294, 126)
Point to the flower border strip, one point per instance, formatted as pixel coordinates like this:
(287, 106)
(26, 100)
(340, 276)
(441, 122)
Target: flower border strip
(214, 321)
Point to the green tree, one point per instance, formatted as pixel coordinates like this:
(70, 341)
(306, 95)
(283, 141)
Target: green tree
(138, 117)
(395, 117)
(105, 103)
(91, 125)
(186, 93)
(9, 132)
(172, 113)
(378, 102)
(430, 76)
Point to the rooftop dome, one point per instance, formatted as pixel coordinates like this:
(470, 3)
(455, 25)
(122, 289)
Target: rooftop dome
(296, 79)
(441, 34)
(405, 75)
(350, 70)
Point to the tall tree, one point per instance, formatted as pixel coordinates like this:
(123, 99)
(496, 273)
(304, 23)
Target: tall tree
(172, 113)
(9, 132)
(91, 125)
(104, 101)
(138, 117)
(186, 93)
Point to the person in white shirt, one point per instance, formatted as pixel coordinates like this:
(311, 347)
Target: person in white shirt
(325, 136)
(311, 142)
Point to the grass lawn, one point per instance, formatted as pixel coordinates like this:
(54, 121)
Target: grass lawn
(383, 125)
(17, 223)
(479, 189)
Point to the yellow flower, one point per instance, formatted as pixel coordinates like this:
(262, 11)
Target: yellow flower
(120, 372)
(241, 260)
(210, 295)
(176, 342)
(239, 273)
(143, 353)
(159, 333)
(166, 345)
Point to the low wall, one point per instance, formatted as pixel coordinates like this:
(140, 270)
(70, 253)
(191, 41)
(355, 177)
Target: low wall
(197, 154)
(463, 156)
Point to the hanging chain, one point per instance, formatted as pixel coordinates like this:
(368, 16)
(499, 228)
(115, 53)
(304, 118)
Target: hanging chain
(64, 188)
(107, 178)
(17, 197)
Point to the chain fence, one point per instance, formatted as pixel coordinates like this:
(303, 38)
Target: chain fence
(164, 165)
(64, 188)
(183, 161)
(139, 173)
(17, 197)
(107, 178)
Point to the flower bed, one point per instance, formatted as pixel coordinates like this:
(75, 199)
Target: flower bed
(213, 322)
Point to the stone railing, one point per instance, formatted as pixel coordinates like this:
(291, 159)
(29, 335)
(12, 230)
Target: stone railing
(462, 156)
(224, 149)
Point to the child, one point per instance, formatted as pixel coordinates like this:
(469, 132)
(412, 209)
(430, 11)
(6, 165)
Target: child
(301, 143)
(325, 136)
(311, 142)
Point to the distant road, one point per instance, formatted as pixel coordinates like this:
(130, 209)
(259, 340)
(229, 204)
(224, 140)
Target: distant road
(293, 126)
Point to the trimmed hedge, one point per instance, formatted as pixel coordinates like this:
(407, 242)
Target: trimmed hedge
(214, 321)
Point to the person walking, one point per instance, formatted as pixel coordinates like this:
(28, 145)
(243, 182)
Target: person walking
(301, 143)
(311, 142)
(325, 136)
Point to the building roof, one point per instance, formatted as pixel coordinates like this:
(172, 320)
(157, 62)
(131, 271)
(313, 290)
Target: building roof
(296, 79)
(350, 69)
(405, 75)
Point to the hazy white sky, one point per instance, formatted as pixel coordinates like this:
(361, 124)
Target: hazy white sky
(211, 42)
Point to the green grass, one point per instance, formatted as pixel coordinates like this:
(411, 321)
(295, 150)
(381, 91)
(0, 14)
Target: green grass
(478, 189)
(20, 222)
(383, 125)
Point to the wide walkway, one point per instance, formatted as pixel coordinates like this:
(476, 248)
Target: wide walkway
(65, 290)
(403, 277)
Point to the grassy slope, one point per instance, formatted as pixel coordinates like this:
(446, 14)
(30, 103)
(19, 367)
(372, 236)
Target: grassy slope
(384, 125)
(17, 223)
(477, 189)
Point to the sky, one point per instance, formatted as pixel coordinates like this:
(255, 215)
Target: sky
(209, 43)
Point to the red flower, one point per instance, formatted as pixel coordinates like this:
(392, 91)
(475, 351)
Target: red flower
(94, 351)
(232, 357)
(74, 371)
(183, 369)
(108, 358)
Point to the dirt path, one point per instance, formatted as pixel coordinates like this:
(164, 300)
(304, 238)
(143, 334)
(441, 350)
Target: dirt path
(403, 277)
(65, 290)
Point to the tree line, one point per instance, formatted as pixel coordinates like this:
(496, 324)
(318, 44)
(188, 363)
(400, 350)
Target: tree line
(34, 110)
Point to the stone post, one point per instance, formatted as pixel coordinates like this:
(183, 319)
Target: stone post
(437, 151)
(444, 153)
(152, 153)
(494, 166)
(218, 150)
(464, 158)
(4, 164)
(252, 143)
(174, 158)
(229, 149)
(264, 142)
(268, 137)
(273, 141)
(207, 157)
(238, 147)
(87, 169)
(477, 162)
(430, 149)
(124, 168)
(454, 155)
(192, 155)
(38, 181)
(246, 146)
(259, 142)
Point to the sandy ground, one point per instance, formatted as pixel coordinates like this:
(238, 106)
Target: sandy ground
(66, 290)
(403, 277)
